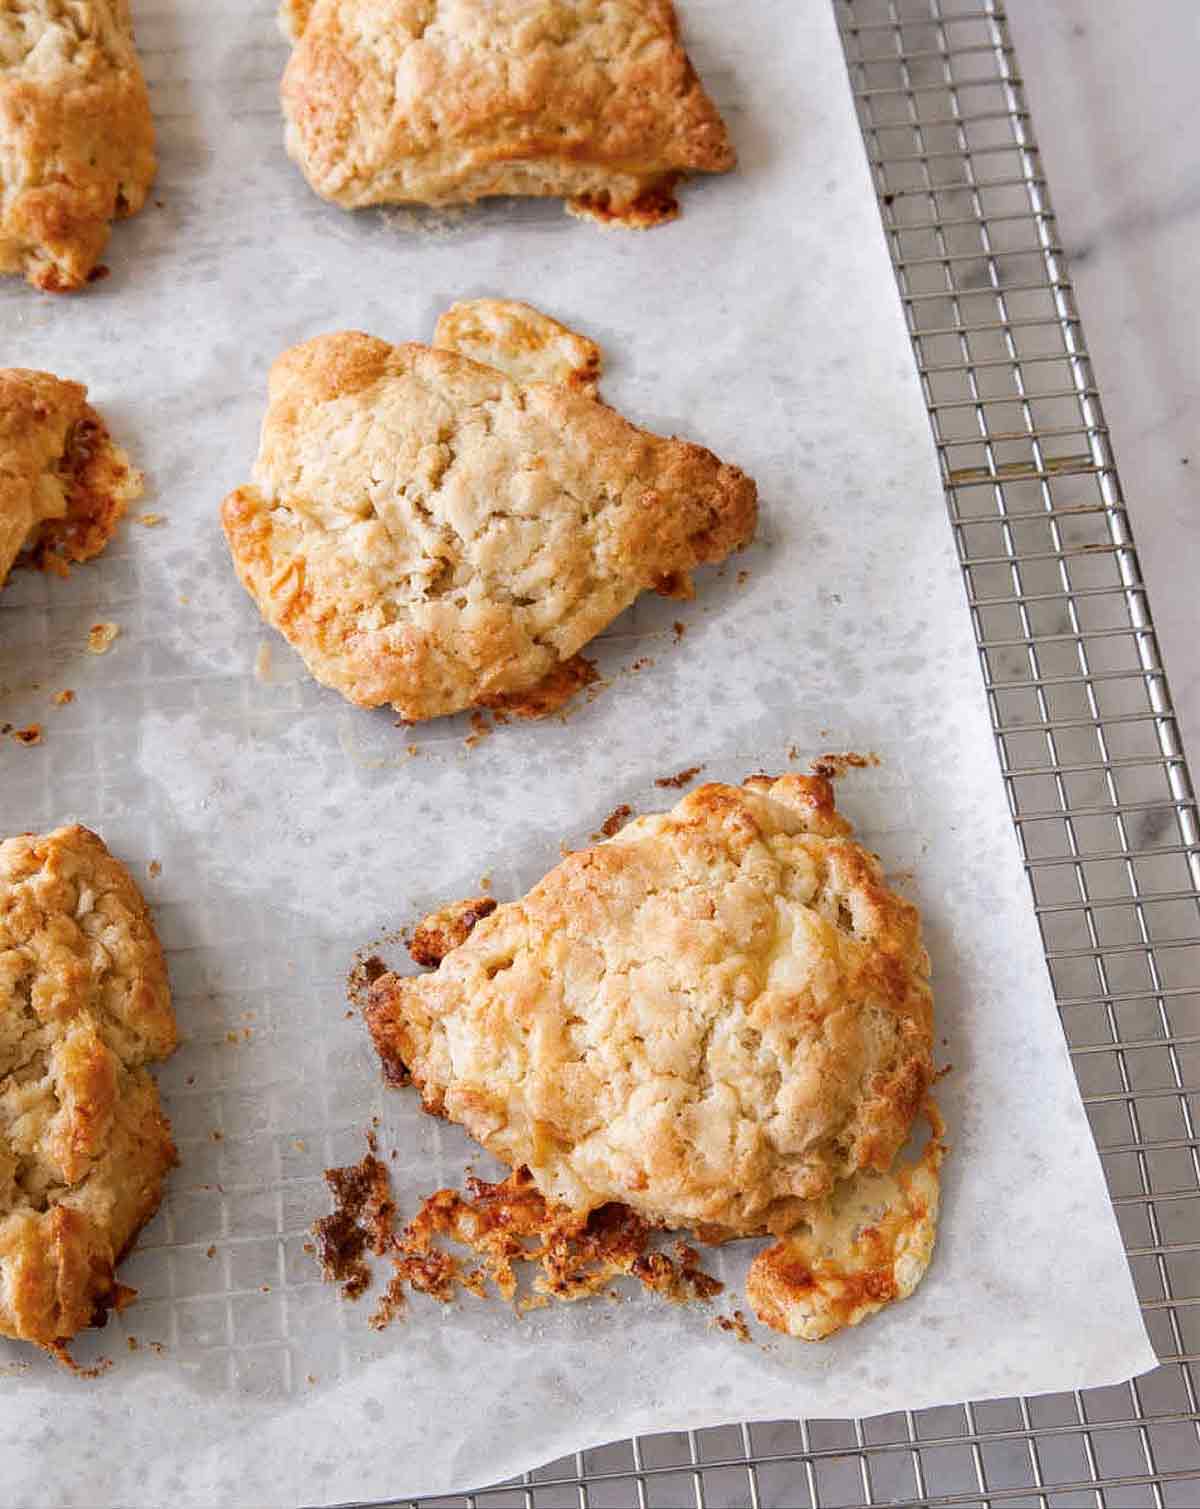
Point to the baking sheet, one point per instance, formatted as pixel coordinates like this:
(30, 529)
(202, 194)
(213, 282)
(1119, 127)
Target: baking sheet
(292, 830)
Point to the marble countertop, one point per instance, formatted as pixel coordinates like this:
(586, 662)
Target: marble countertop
(1111, 86)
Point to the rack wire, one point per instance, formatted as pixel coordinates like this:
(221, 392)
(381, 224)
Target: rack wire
(1097, 784)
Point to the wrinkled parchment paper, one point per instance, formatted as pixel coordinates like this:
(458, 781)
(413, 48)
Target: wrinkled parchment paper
(292, 830)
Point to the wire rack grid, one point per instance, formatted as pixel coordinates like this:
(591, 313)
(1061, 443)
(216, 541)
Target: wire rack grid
(1097, 784)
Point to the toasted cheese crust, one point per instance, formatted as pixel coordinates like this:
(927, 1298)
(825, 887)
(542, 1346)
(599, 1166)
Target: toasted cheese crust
(76, 136)
(449, 101)
(84, 1146)
(64, 484)
(866, 1245)
(713, 1017)
(429, 533)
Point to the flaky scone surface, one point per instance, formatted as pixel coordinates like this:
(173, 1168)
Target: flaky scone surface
(519, 341)
(430, 534)
(712, 1017)
(448, 101)
(64, 484)
(76, 136)
(84, 1146)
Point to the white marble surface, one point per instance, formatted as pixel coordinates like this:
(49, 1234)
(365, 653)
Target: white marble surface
(1112, 88)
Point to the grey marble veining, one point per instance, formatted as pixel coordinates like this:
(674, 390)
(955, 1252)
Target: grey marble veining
(1112, 89)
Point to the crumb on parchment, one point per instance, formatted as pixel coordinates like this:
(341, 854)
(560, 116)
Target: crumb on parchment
(681, 779)
(101, 636)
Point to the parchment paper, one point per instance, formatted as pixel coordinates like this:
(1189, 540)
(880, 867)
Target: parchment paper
(292, 830)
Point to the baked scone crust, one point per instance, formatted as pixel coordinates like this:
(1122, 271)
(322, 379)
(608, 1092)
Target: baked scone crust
(84, 1145)
(76, 135)
(449, 101)
(713, 1017)
(866, 1245)
(428, 533)
(521, 342)
(64, 483)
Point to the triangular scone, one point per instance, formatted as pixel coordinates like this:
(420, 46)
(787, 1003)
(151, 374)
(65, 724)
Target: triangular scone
(450, 101)
(64, 484)
(76, 136)
(431, 534)
(714, 1017)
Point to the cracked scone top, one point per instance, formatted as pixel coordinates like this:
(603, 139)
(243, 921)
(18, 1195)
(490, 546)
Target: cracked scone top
(84, 1146)
(713, 1017)
(429, 533)
(449, 101)
(63, 483)
(76, 136)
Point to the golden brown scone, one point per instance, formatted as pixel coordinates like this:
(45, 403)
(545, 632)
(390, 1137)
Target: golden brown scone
(76, 137)
(867, 1244)
(521, 342)
(428, 533)
(84, 1146)
(64, 484)
(712, 1017)
(449, 101)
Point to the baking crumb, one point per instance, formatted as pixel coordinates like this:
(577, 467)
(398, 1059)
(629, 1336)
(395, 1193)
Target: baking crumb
(793, 752)
(735, 1324)
(151, 520)
(232, 1037)
(299, 1144)
(216, 1135)
(210, 1252)
(262, 663)
(58, 1351)
(615, 821)
(99, 273)
(247, 1033)
(485, 881)
(678, 782)
(155, 869)
(680, 629)
(265, 1289)
(101, 636)
(184, 599)
(743, 577)
(831, 766)
(365, 970)
(412, 749)
(190, 1080)
(30, 735)
(642, 663)
(60, 699)
(481, 728)
(157, 1348)
(310, 1378)
(348, 1015)
(309, 1248)
(5, 728)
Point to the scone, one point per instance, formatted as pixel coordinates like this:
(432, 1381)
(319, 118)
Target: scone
(64, 484)
(76, 137)
(430, 533)
(449, 101)
(720, 1017)
(84, 1145)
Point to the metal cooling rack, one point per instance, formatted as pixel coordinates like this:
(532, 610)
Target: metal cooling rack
(1096, 780)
